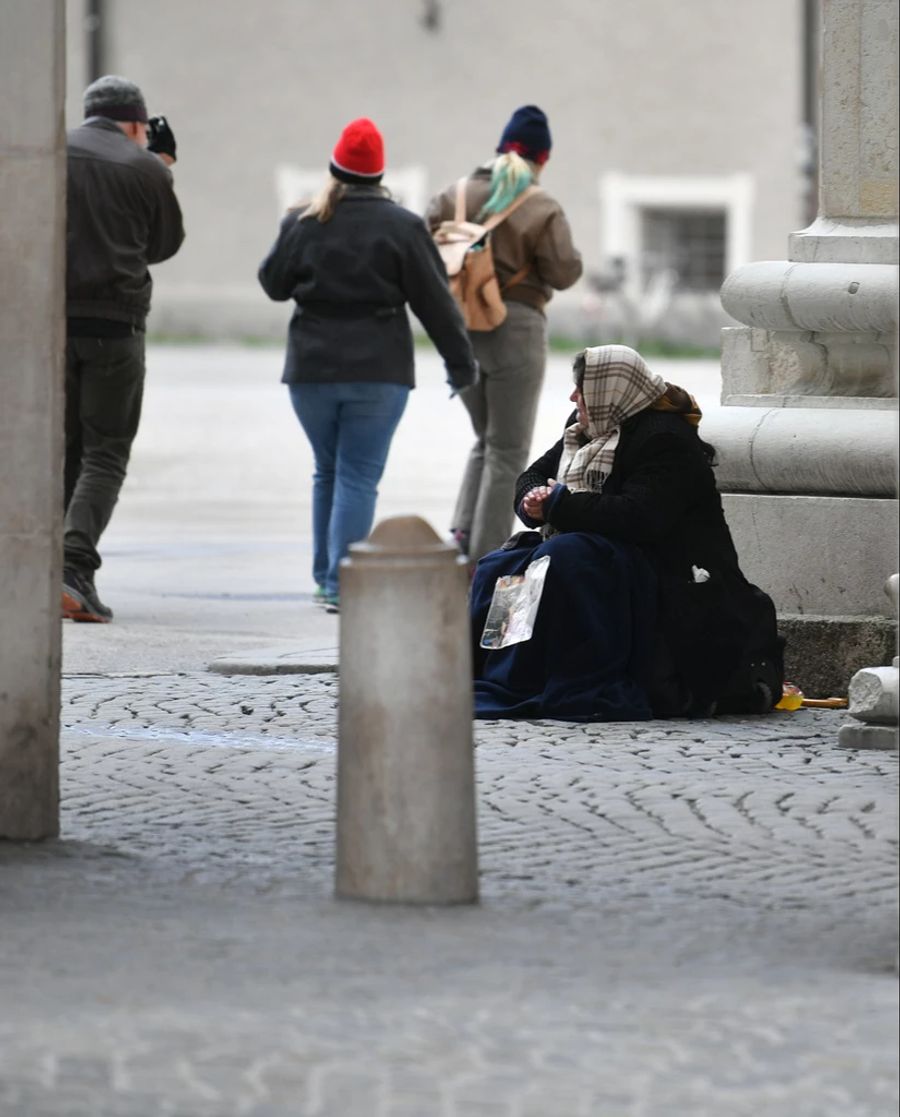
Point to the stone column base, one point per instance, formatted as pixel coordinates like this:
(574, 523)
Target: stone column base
(824, 653)
(855, 735)
(816, 556)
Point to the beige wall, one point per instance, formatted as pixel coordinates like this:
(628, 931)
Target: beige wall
(644, 88)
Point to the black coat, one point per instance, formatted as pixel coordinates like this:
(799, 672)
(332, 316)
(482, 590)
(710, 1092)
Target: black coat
(121, 216)
(718, 637)
(351, 278)
(661, 494)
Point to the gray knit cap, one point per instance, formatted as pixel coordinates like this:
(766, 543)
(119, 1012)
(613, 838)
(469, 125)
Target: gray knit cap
(115, 98)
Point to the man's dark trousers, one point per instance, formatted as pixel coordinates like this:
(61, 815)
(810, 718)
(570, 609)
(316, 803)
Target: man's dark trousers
(104, 389)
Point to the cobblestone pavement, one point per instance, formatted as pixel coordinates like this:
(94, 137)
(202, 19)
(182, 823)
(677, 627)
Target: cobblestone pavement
(677, 918)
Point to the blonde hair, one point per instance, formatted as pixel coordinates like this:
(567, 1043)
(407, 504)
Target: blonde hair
(324, 204)
(510, 175)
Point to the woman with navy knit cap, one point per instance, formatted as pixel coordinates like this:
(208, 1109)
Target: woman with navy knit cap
(352, 260)
(533, 256)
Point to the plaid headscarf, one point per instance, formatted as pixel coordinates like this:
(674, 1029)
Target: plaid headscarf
(617, 384)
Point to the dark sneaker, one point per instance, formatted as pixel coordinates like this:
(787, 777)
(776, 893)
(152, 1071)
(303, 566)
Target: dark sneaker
(332, 603)
(80, 601)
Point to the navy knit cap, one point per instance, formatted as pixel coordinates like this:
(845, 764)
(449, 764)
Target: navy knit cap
(115, 98)
(527, 133)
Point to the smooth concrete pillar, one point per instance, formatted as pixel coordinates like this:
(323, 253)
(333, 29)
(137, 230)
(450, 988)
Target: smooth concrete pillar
(406, 782)
(32, 268)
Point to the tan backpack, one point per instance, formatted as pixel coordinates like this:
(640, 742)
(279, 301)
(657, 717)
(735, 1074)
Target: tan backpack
(465, 248)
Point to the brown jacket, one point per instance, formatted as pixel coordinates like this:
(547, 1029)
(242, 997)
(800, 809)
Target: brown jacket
(536, 235)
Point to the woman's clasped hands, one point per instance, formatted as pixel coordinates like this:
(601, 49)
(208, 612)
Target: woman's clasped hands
(533, 501)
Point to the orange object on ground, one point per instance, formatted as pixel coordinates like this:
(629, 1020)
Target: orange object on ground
(791, 698)
(826, 703)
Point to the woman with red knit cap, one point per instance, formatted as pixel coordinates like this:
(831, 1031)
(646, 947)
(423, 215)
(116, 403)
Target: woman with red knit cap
(352, 260)
(533, 256)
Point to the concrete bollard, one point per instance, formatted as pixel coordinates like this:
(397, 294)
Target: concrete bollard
(874, 695)
(875, 699)
(406, 773)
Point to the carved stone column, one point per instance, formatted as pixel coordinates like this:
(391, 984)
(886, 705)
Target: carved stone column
(822, 323)
(32, 268)
(807, 436)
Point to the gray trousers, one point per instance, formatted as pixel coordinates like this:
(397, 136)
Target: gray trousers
(104, 390)
(502, 407)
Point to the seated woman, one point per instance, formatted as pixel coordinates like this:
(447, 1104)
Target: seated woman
(644, 610)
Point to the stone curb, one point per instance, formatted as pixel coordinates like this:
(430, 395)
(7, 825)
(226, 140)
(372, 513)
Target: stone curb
(855, 735)
(280, 660)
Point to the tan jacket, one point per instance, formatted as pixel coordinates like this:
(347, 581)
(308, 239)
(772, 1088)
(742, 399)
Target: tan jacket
(536, 235)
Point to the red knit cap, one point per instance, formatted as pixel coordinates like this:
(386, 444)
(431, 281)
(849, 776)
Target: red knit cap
(359, 153)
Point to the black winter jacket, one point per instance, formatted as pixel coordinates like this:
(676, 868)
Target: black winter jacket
(351, 278)
(660, 494)
(719, 645)
(122, 215)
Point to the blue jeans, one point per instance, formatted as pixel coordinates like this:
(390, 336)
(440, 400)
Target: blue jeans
(350, 427)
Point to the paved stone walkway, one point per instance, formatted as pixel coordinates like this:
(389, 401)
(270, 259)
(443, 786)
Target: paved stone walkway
(677, 918)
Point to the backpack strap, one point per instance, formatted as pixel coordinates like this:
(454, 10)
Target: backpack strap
(494, 220)
(514, 279)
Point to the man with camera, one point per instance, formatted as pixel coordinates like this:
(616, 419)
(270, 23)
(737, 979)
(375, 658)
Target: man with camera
(122, 216)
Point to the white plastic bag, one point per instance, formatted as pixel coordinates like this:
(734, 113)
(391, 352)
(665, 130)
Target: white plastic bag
(514, 606)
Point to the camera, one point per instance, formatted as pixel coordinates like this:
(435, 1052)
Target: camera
(160, 138)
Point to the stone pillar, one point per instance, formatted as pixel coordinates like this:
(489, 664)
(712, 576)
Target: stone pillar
(32, 268)
(807, 436)
(857, 221)
(822, 323)
(406, 772)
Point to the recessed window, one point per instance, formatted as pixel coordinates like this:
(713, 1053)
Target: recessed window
(687, 242)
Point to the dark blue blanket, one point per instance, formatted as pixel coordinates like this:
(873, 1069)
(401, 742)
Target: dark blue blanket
(590, 652)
